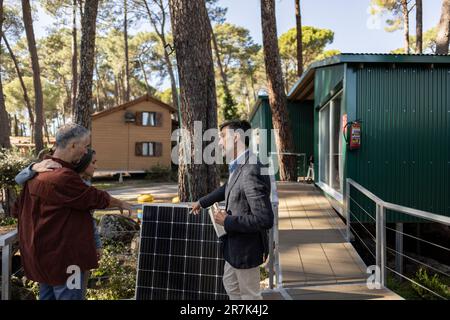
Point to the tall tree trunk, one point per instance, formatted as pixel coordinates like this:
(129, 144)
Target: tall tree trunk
(443, 33)
(101, 86)
(419, 26)
(286, 79)
(83, 107)
(244, 84)
(80, 6)
(192, 40)
(405, 25)
(127, 60)
(173, 83)
(47, 136)
(298, 22)
(97, 99)
(250, 72)
(116, 91)
(38, 97)
(141, 65)
(66, 105)
(223, 75)
(277, 95)
(74, 56)
(16, 123)
(120, 87)
(162, 36)
(26, 97)
(5, 129)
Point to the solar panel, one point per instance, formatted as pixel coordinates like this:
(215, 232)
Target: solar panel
(180, 256)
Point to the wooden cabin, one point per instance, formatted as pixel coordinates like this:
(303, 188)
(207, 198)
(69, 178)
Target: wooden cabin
(133, 137)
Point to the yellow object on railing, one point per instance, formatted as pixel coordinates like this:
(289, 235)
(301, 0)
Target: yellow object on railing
(176, 199)
(145, 198)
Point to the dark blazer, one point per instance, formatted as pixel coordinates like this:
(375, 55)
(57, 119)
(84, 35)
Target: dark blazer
(250, 215)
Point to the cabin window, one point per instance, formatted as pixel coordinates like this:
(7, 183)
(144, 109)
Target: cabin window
(149, 119)
(331, 164)
(148, 149)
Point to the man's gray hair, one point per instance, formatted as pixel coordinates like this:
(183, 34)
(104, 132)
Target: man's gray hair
(69, 132)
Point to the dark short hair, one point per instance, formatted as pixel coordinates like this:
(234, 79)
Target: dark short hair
(85, 161)
(237, 124)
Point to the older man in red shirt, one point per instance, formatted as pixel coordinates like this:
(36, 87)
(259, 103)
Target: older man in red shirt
(55, 225)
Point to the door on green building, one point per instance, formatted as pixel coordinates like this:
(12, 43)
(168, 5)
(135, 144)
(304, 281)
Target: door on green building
(331, 164)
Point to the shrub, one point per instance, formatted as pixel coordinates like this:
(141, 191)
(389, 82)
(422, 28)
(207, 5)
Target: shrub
(431, 282)
(11, 163)
(23, 289)
(402, 288)
(115, 277)
(7, 221)
(159, 173)
(263, 273)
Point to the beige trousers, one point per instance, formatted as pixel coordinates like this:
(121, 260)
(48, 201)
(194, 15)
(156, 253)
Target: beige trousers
(241, 284)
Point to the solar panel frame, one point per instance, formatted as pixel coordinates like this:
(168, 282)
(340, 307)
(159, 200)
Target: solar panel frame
(196, 274)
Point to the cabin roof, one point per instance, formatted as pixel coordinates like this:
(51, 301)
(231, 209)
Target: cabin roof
(143, 98)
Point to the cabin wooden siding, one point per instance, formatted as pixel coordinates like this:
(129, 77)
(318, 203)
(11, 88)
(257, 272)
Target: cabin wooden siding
(114, 140)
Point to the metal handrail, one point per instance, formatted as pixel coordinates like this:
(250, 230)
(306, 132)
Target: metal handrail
(418, 213)
(399, 208)
(6, 241)
(366, 192)
(8, 238)
(380, 221)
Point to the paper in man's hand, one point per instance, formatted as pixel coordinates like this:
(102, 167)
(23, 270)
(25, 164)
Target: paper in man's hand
(220, 230)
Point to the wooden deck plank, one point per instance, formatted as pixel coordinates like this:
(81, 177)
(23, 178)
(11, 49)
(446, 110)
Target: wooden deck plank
(316, 260)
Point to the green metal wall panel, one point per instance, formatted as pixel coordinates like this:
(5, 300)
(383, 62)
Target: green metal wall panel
(328, 80)
(302, 125)
(405, 152)
(301, 121)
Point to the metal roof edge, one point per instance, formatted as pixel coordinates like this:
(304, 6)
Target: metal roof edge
(369, 58)
(256, 105)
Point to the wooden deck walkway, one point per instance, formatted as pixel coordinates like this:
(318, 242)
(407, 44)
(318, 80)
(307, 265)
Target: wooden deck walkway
(316, 261)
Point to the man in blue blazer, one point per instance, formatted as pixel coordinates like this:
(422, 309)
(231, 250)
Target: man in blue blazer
(247, 216)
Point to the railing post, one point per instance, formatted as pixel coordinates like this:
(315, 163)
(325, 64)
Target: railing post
(378, 237)
(347, 209)
(276, 249)
(381, 242)
(399, 249)
(271, 257)
(6, 271)
(383, 245)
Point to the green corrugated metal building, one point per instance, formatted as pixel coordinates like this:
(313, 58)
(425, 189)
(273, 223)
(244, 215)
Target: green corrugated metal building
(301, 117)
(403, 104)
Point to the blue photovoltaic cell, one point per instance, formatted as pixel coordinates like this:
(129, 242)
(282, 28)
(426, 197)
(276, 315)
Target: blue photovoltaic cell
(180, 256)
